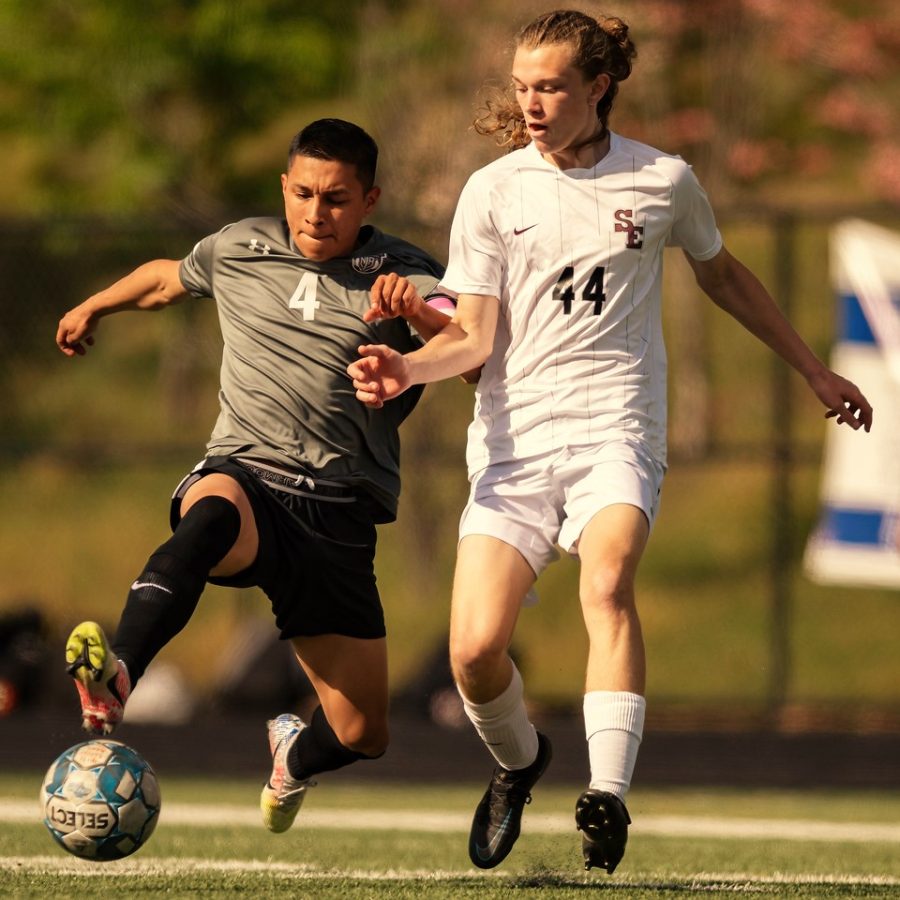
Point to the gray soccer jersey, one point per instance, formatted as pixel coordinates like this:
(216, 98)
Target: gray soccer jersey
(290, 327)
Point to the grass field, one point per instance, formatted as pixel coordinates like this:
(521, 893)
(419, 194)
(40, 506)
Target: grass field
(378, 841)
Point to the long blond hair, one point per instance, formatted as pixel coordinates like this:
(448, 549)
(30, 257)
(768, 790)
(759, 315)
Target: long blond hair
(599, 46)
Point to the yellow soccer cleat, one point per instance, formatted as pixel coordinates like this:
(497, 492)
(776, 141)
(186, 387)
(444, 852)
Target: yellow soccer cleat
(101, 679)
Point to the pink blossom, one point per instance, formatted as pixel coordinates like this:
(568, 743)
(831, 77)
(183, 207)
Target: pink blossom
(749, 159)
(883, 170)
(813, 160)
(693, 125)
(848, 108)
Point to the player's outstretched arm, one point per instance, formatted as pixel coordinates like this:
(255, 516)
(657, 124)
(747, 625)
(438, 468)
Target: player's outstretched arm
(734, 288)
(151, 286)
(462, 346)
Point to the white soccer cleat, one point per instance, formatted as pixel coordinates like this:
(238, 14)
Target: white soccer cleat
(283, 795)
(101, 679)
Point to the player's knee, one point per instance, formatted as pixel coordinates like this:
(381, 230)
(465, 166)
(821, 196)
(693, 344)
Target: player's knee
(206, 533)
(474, 660)
(607, 593)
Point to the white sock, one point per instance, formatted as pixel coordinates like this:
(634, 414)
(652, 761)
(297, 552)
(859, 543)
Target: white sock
(614, 725)
(502, 723)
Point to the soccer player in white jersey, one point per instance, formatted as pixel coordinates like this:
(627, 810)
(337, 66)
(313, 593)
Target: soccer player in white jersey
(556, 254)
(297, 473)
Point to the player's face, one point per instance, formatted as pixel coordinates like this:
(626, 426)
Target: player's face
(325, 204)
(559, 104)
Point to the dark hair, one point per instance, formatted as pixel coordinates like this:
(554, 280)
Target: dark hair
(338, 140)
(599, 46)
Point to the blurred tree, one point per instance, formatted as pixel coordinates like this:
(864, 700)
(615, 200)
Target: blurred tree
(164, 110)
(119, 107)
(175, 107)
(787, 103)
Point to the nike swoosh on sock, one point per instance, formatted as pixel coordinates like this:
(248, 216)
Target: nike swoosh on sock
(137, 585)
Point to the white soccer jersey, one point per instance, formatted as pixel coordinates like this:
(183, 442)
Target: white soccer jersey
(575, 258)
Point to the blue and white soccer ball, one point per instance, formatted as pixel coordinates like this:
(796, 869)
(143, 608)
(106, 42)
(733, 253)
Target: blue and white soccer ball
(100, 800)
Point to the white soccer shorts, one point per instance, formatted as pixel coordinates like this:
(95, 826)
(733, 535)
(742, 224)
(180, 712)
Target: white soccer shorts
(537, 503)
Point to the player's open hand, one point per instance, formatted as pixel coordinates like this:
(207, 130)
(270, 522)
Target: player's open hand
(380, 375)
(845, 401)
(73, 335)
(392, 295)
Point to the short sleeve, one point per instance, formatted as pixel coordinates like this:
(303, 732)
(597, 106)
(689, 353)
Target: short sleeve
(196, 269)
(476, 258)
(425, 284)
(694, 223)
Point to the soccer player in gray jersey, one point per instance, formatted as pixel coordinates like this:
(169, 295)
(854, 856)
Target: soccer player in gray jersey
(297, 472)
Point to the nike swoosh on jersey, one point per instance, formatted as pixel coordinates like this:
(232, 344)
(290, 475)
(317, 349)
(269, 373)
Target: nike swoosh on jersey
(137, 585)
(485, 853)
(518, 231)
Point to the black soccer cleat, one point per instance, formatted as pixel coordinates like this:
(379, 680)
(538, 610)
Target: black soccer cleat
(498, 817)
(603, 821)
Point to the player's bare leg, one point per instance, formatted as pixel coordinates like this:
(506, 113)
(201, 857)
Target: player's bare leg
(610, 549)
(350, 677)
(491, 579)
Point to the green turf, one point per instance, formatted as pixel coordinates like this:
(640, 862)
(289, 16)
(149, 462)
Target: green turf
(182, 860)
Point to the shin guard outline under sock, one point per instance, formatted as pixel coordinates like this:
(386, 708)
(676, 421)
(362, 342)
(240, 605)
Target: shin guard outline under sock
(164, 596)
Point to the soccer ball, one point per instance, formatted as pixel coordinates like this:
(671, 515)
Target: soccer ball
(100, 800)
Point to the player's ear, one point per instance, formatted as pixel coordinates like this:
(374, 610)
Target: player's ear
(599, 87)
(283, 182)
(371, 199)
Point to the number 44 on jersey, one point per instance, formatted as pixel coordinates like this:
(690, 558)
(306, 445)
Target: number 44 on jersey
(592, 293)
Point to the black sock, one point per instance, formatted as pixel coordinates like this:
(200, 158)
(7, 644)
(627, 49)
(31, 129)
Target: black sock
(164, 596)
(318, 749)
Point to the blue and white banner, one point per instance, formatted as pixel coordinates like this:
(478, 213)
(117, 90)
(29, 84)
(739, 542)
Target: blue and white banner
(857, 538)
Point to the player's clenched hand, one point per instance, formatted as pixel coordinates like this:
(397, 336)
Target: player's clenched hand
(845, 401)
(392, 295)
(381, 374)
(74, 331)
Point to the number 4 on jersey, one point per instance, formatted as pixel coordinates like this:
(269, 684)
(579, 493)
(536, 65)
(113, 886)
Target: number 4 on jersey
(304, 297)
(593, 290)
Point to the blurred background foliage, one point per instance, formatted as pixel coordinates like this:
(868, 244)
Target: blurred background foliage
(132, 130)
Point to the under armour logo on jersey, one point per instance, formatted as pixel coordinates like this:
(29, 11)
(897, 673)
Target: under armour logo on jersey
(634, 241)
(366, 265)
(257, 247)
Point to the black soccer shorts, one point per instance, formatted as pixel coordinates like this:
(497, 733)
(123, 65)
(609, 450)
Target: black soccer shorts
(316, 557)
